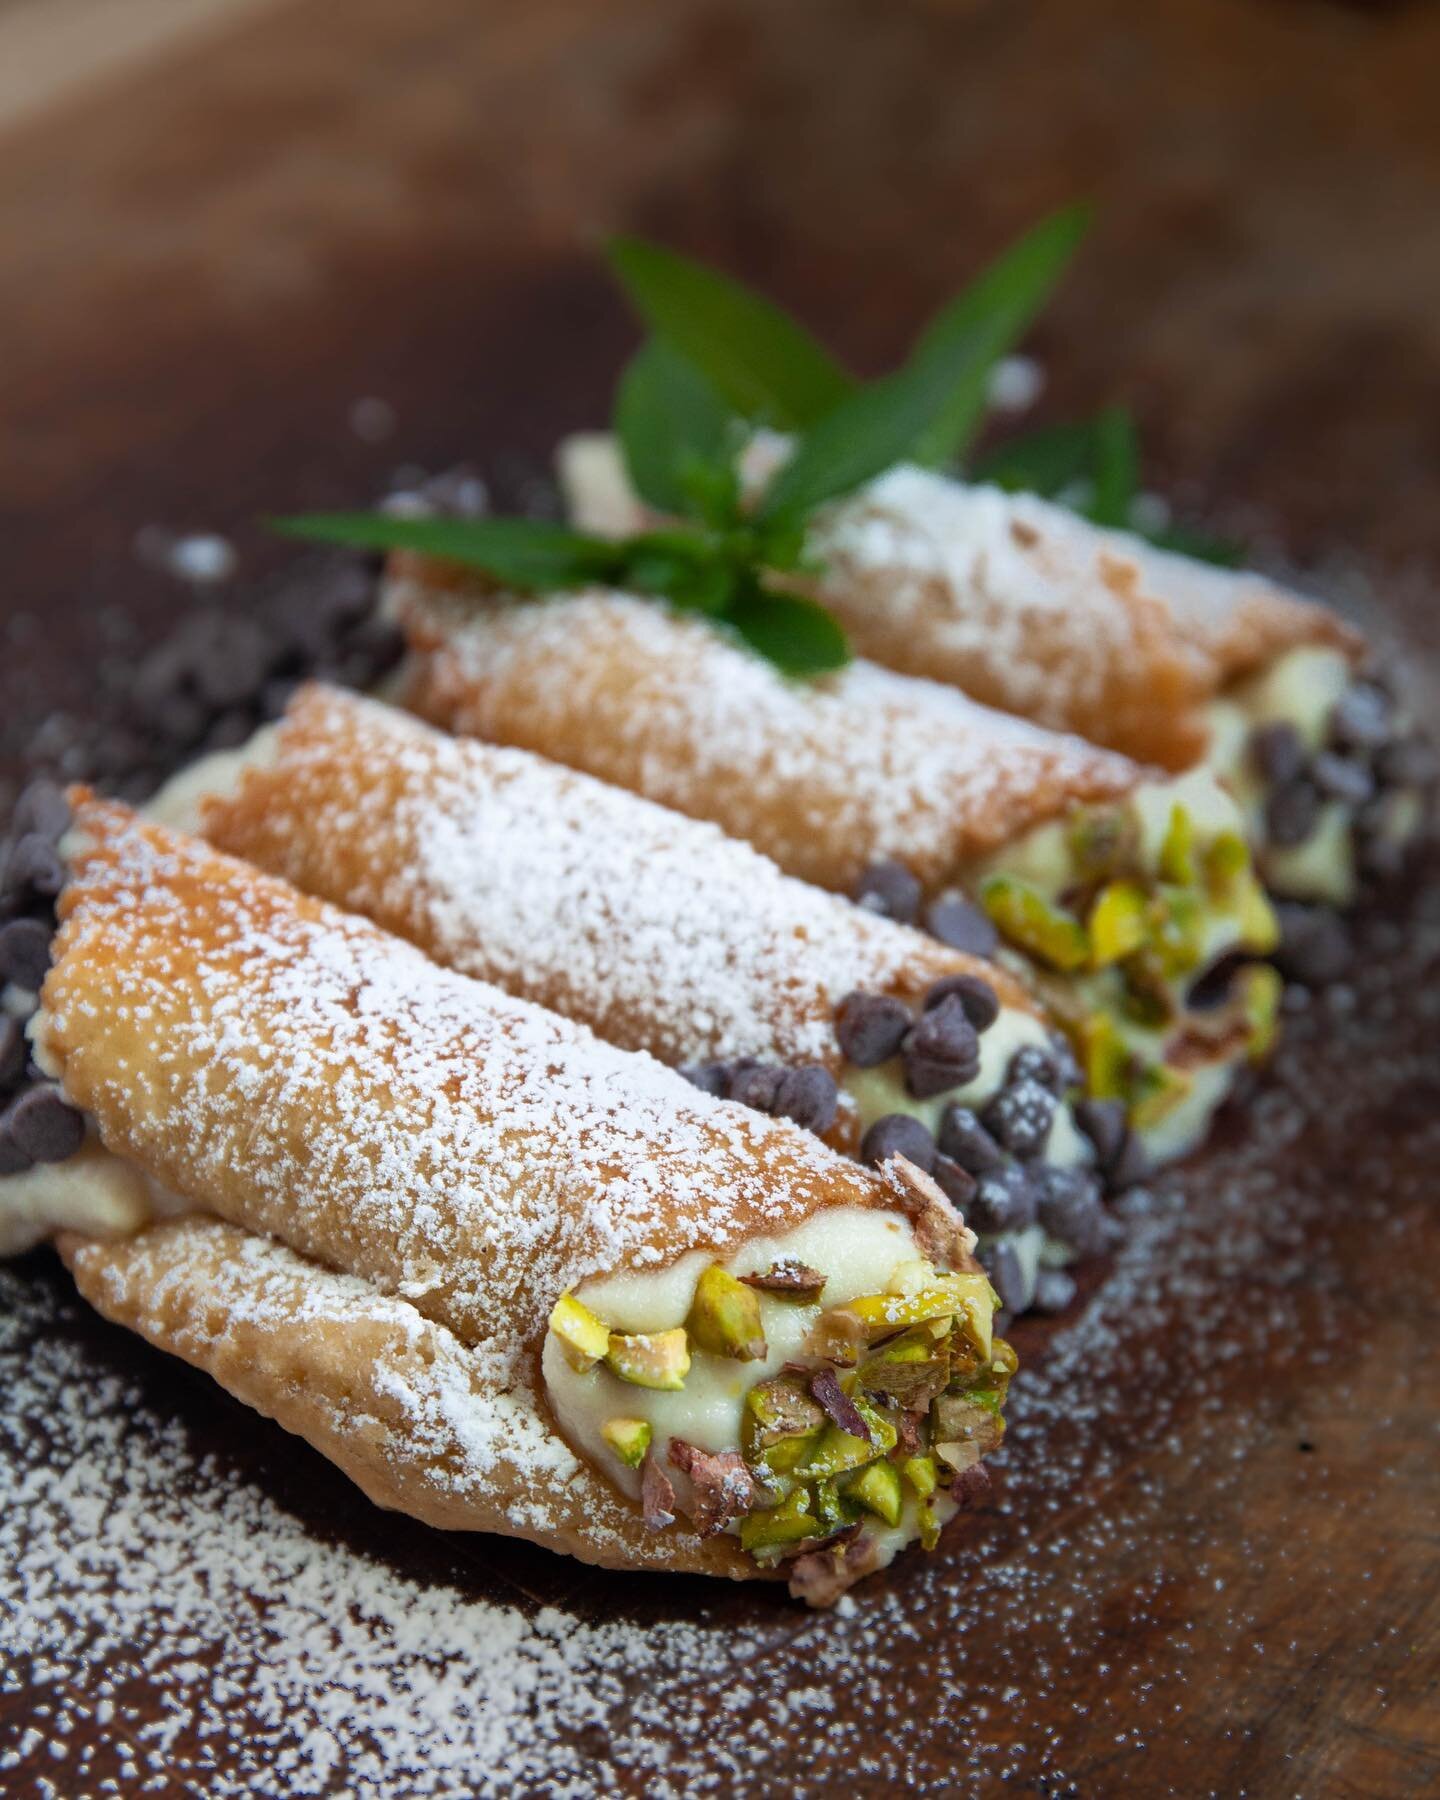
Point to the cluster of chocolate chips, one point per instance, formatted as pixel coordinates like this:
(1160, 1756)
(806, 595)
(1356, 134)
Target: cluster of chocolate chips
(888, 888)
(1368, 755)
(218, 676)
(991, 1164)
(37, 1125)
(807, 1094)
(940, 1047)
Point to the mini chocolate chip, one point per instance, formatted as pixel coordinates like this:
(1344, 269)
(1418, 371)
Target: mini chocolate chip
(374, 647)
(43, 808)
(24, 953)
(235, 662)
(1054, 1290)
(1380, 857)
(13, 1052)
(870, 1027)
(1340, 778)
(1315, 947)
(1031, 1063)
(1019, 1117)
(966, 1139)
(942, 1050)
(754, 1084)
(230, 729)
(1276, 753)
(982, 1007)
(34, 864)
(890, 889)
(710, 1078)
(898, 1134)
(181, 718)
(1291, 814)
(962, 925)
(1361, 718)
(1070, 1210)
(1133, 1165)
(44, 1125)
(1007, 1276)
(1070, 1072)
(807, 1095)
(1408, 762)
(1104, 1123)
(957, 1184)
(1004, 1200)
(13, 1160)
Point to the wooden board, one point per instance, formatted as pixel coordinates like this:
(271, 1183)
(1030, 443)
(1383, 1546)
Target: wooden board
(1211, 1565)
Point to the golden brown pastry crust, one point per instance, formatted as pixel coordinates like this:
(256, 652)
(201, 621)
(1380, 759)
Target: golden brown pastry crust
(825, 777)
(657, 932)
(374, 1386)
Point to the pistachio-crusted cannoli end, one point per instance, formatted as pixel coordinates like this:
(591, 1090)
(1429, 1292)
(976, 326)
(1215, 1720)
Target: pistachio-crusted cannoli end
(837, 1387)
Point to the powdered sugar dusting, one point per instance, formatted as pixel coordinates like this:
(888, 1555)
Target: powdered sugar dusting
(1170, 1498)
(824, 776)
(313, 1078)
(654, 928)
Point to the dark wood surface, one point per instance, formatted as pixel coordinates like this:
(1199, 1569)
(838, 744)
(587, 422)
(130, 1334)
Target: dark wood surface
(1211, 1565)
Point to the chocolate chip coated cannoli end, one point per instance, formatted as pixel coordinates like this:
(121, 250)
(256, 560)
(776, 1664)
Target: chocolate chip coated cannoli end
(510, 1277)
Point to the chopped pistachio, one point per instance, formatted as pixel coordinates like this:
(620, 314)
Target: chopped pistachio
(783, 1408)
(1159, 1091)
(991, 1398)
(1117, 922)
(786, 1455)
(1259, 927)
(911, 1276)
(1225, 857)
(922, 1474)
(1261, 990)
(877, 1488)
(1177, 853)
(911, 1369)
(839, 1450)
(1003, 1359)
(827, 1506)
(789, 1280)
(1177, 929)
(583, 1339)
(725, 1317)
(961, 1419)
(1022, 914)
(883, 1315)
(783, 1524)
(929, 1525)
(628, 1438)
(1104, 1056)
(659, 1359)
(1102, 842)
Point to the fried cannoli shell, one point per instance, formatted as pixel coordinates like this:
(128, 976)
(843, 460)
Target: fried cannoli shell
(304, 1075)
(656, 930)
(393, 1399)
(826, 777)
(1027, 606)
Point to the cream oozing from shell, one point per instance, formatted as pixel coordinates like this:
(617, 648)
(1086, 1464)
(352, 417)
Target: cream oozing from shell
(856, 1248)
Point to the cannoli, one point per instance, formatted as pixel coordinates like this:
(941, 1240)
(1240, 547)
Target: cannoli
(510, 1277)
(1125, 897)
(662, 934)
(1030, 608)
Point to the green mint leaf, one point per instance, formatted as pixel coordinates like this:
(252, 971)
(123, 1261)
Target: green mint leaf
(681, 567)
(1185, 541)
(764, 365)
(523, 553)
(1051, 461)
(871, 431)
(795, 634)
(1117, 468)
(964, 342)
(675, 435)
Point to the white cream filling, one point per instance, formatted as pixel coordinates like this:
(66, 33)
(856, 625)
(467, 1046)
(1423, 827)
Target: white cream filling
(856, 1248)
(177, 803)
(93, 1192)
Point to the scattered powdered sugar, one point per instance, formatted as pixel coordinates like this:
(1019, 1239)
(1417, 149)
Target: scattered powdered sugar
(652, 927)
(1172, 1497)
(824, 776)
